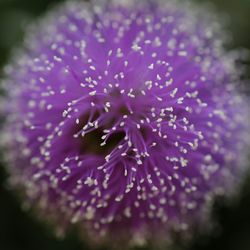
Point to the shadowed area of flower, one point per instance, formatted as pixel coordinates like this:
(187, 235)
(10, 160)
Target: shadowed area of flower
(121, 119)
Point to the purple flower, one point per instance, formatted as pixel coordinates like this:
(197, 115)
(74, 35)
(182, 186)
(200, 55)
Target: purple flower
(125, 119)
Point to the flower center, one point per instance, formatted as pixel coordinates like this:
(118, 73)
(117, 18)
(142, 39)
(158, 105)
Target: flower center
(91, 143)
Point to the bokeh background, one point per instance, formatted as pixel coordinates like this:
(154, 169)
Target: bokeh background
(20, 230)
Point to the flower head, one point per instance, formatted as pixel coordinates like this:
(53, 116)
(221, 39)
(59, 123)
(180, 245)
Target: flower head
(125, 119)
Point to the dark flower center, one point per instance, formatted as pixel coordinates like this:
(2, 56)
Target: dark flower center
(91, 143)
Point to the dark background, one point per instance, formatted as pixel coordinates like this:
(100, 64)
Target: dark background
(20, 230)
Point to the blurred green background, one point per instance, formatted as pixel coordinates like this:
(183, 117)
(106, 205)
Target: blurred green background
(20, 231)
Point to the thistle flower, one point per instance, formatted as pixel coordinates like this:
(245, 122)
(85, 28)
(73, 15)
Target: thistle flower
(125, 119)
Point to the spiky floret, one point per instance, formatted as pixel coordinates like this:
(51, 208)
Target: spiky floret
(125, 119)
